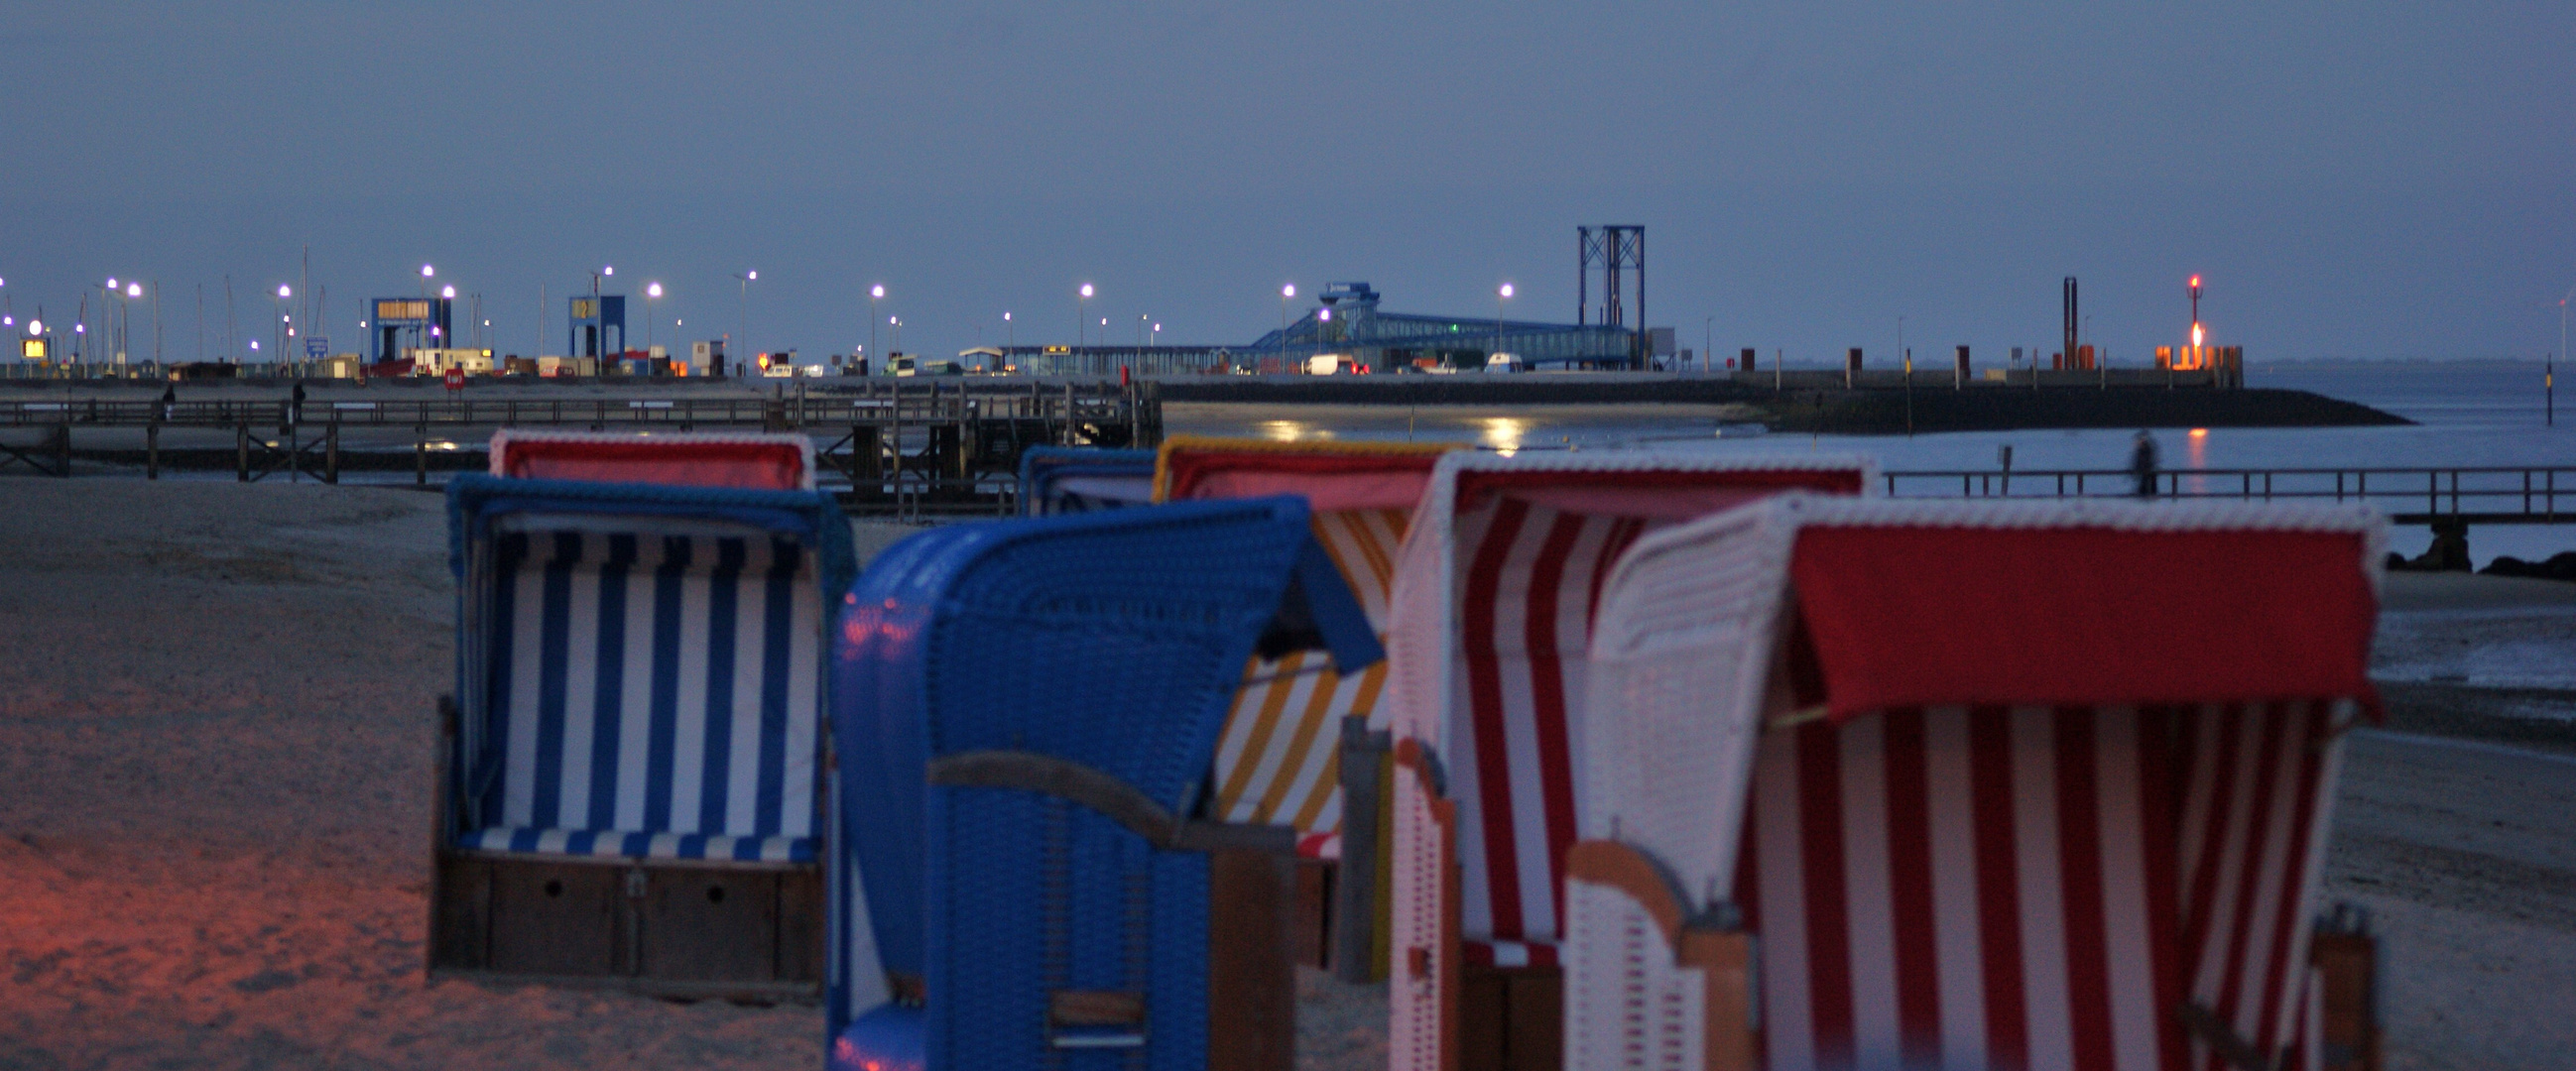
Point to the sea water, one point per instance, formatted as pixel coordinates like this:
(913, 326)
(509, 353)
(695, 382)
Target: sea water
(2485, 414)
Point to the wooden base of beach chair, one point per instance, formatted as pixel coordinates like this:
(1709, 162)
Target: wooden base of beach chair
(1252, 976)
(690, 929)
(1511, 1018)
(1310, 928)
(2346, 956)
(748, 931)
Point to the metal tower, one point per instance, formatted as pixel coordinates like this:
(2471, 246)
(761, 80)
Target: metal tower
(1616, 249)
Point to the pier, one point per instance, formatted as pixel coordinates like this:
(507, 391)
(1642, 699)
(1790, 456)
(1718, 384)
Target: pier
(891, 447)
(2430, 496)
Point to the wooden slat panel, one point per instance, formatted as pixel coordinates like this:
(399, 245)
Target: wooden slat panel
(710, 925)
(557, 919)
(1252, 983)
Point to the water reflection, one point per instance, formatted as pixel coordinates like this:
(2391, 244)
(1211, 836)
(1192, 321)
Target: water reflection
(1289, 431)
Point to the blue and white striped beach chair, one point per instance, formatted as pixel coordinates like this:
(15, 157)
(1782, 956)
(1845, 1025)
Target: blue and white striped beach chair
(1080, 479)
(1033, 708)
(630, 775)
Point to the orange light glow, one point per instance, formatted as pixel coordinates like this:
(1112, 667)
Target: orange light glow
(2200, 433)
(2195, 282)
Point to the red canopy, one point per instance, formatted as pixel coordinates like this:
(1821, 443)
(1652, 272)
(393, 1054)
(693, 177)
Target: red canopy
(1331, 475)
(742, 463)
(1903, 617)
(1668, 494)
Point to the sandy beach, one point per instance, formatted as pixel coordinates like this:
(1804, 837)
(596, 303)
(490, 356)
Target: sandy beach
(215, 721)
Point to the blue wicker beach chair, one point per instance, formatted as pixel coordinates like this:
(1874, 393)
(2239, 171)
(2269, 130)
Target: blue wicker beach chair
(1032, 708)
(629, 776)
(1075, 479)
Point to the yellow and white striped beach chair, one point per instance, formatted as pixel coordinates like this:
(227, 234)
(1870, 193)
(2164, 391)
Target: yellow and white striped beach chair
(1278, 762)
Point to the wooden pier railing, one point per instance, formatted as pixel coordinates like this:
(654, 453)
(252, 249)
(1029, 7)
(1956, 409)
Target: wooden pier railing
(2463, 495)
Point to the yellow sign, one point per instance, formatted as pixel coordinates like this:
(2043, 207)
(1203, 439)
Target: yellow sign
(32, 349)
(402, 310)
(1059, 349)
(584, 308)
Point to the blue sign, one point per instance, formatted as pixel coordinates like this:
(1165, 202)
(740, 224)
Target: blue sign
(317, 347)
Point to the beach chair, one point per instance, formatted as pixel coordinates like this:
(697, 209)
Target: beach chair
(1280, 759)
(696, 459)
(628, 784)
(1492, 609)
(1075, 479)
(1027, 711)
(1994, 785)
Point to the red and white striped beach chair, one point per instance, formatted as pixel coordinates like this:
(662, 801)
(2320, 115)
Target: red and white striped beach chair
(1492, 610)
(1278, 762)
(695, 459)
(1950, 785)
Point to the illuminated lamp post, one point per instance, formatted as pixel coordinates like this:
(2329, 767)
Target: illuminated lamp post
(1008, 344)
(874, 293)
(652, 293)
(134, 290)
(1285, 292)
(742, 314)
(1081, 320)
(283, 292)
(2549, 366)
(2196, 333)
(1500, 296)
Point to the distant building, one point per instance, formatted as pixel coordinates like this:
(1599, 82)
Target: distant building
(1346, 324)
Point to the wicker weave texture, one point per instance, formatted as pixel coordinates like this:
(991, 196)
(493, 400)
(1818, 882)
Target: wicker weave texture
(1114, 640)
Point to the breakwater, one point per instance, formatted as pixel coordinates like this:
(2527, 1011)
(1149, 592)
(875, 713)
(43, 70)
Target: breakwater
(1879, 405)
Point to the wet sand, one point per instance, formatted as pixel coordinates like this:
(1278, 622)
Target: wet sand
(214, 758)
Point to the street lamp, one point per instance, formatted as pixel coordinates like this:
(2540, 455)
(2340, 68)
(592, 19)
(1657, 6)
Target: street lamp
(1081, 320)
(1503, 294)
(742, 314)
(1008, 337)
(283, 292)
(1285, 292)
(874, 292)
(652, 293)
(2549, 366)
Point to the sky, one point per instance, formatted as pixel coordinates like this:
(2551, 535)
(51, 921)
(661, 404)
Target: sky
(2363, 180)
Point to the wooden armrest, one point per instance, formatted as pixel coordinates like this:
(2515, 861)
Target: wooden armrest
(1705, 941)
(1029, 771)
(1424, 761)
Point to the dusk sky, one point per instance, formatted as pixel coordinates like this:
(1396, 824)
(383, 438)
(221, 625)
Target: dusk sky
(2364, 180)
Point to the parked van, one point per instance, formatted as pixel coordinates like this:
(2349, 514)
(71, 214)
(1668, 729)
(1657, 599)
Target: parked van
(1506, 362)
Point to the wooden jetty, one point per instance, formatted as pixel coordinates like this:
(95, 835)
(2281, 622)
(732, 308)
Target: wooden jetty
(904, 447)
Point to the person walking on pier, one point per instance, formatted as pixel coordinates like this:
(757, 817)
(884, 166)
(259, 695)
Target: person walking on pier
(169, 402)
(2142, 464)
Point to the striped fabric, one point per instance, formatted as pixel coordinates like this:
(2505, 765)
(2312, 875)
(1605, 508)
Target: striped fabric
(1948, 889)
(1532, 577)
(2006, 888)
(2254, 819)
(652, 694)
(1278, 762)
(613, 845)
